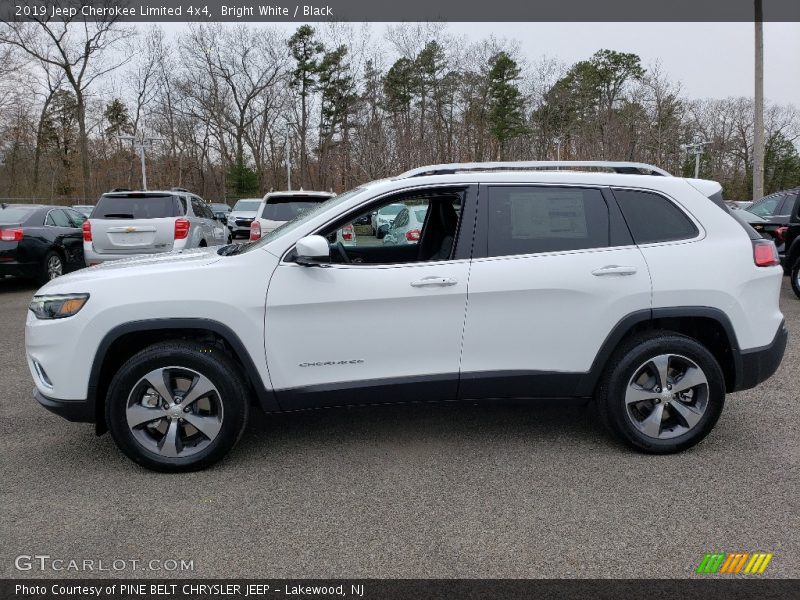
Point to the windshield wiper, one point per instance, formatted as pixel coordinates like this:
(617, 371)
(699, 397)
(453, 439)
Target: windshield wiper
(118, 216)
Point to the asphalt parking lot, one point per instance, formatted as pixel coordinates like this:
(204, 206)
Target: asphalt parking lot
(494, 490)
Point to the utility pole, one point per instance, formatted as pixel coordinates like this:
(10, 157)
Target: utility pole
(138, 141)
(288, 160)
(696, 148)
(758, 126)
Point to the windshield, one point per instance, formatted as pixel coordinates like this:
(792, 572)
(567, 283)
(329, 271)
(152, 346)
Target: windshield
(15, 214)
(247, 205)
(287, 208)
(301, 219)
(392, 209)
(219, 207)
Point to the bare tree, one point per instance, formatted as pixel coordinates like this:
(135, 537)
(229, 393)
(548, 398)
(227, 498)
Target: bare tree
(78, 49)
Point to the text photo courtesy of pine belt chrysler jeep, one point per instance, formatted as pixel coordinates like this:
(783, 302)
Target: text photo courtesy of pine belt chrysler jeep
(611, 281)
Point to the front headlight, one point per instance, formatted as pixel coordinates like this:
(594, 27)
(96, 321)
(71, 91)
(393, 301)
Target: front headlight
(58, 306)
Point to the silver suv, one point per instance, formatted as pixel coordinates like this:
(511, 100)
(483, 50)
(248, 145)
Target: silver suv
(125, 223)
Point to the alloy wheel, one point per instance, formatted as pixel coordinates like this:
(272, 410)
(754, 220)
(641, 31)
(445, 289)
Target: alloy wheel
(667, 396)
(55, 268)
(174, 412)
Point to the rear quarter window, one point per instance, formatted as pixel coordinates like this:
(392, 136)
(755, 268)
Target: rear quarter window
(653, 218)
(136, 206)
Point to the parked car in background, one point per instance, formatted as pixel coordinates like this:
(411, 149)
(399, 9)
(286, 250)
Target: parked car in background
(279, 207)
(40, 242)
(241, 216)
(383, 217)
(127, 223)
(781, 211)
(406, 227)
(221, 211)
(84, 209)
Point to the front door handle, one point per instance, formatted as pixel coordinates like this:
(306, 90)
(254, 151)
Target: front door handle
(614, 270)
(428, 281)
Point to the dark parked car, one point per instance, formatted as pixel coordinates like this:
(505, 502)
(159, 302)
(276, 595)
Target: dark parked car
(41, 242)
(781, 211)
(221, 211)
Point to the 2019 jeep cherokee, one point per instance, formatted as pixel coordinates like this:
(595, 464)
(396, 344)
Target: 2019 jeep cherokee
(631, 287)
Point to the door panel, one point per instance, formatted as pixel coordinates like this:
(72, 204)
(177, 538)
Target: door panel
(354, 333)
(548, 290)
(547, 313)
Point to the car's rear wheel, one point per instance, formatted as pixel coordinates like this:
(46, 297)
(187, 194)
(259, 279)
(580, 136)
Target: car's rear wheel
(661, 393)
(177, 406)
(52, 267)
(795, 277)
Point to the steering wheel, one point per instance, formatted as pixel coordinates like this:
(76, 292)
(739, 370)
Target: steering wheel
(343, 252)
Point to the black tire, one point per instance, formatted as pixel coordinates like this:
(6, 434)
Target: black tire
(794, 276)
(627, 360)
(206, 361)
(50, 259)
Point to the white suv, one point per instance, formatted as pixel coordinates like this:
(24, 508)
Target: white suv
(279, 207)
(631, 287)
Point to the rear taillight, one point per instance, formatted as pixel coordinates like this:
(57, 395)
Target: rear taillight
(181, 229)
(780, 234)
(412, 235)
(11, 235)
(87, 231)
(348, 233)
(255, 231)
(765, 254)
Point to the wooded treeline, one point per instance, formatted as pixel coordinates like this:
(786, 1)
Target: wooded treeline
(353, 105)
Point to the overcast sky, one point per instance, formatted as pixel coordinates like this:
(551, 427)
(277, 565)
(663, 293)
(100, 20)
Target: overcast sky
(711, 60)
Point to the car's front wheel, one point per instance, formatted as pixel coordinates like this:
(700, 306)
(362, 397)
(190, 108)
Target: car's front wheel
(661, 393)
(177, 406)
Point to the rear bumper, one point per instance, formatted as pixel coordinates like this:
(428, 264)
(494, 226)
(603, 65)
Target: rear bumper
(759, 364)
(78, 411)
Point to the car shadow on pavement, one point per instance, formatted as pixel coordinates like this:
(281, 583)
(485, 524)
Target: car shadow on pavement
(17, 284)
(424, 426)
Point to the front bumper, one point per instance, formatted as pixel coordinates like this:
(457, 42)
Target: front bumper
(78, 411)
(759, 364)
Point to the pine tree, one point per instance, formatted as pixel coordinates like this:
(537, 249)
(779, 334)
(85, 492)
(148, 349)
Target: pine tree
(506, 116)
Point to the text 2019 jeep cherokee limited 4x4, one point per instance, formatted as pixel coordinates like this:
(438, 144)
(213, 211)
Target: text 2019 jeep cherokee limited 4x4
(633, 287)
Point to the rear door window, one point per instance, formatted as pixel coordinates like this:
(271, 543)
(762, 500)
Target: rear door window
(197, 208)
(653, 218)
(136, 206)
(58, 218)
(533, 219)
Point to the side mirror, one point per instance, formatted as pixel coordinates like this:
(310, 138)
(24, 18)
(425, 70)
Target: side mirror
(312, 250)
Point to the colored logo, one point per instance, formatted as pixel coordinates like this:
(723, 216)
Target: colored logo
(731, 563)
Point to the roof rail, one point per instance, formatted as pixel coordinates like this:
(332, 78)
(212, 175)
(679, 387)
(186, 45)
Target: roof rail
(628, 168)
(179, 189)
(120, 190)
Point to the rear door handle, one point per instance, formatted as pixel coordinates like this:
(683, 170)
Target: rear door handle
(428, 281)
(614, 270)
